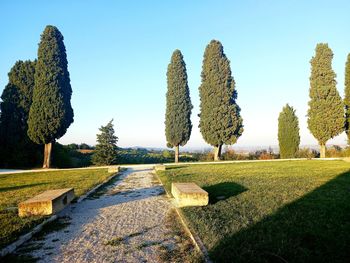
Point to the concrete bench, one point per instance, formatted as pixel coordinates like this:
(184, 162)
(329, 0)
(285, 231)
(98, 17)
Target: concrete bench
(113, 169)
(160, 167)
(189, 194)
(46, 203)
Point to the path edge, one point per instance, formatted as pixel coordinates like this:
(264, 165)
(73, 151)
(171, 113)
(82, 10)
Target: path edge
(194, 237)
(27, 236)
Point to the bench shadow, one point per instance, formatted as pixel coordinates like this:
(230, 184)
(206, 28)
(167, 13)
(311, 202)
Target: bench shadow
(223, 191)
(314, 228)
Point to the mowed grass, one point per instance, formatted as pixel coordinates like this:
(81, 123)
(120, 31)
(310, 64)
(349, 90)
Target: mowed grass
(292, 211)
(15, 188)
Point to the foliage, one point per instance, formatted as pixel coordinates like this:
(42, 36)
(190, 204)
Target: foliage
(16, 149)
(347, 98)
(178, 124)
(64, 156)
(51, 112)
(271, 211)
(220, 119)
(106, 148)
(307, 153)
(325, 113)
(288, 133)
(19, 187)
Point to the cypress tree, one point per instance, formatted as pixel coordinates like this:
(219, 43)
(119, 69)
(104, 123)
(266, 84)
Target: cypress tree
(347, 98)
(288, 133)
(178, 124)
(106, 148)
(18, 150)
(220, 119)
(51, 112)
(326, 112)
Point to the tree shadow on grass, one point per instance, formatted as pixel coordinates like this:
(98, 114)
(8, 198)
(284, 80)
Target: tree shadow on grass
(174, 167)
(223, 191)
(314, 228)
(18, 187)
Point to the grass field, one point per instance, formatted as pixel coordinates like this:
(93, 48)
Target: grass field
(15, 188)
(293, 211)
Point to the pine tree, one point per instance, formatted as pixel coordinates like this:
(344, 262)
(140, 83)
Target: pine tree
(51, 112)
(220, 119)
(288, 133)
(106, 148)
(347, 98)
(326, 112)
(16, 147)
(178, 124)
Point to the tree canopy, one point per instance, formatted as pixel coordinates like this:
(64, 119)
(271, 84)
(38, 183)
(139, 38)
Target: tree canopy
(326, 112)
(178, 124)
(288, 132)
(220, 119)
(106, 149)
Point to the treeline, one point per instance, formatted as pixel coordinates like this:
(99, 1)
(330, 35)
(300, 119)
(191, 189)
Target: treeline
(220, 120)
(328, 114)
(35, 107)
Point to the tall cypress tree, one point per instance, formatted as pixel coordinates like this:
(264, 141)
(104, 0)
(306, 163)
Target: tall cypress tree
(347, 98)
(106, 148)
(51, 112)
(326, 112)
(178, 124)
(18, 150)
(220, 119)
(288, 132)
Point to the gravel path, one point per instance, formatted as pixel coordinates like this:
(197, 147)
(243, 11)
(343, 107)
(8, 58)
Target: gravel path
(125, 222)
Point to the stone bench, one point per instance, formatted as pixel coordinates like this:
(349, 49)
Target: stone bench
(189, 194)
(160, 167)
(113, 169)
(46, 203)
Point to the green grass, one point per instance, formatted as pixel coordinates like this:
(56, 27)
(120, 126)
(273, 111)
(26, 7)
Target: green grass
(15, 188)
(296, 211)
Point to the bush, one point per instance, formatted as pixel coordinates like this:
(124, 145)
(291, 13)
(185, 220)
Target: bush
(307, 153)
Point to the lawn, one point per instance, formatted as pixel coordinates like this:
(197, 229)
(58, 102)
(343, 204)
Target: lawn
(292, 211)
(15, 188)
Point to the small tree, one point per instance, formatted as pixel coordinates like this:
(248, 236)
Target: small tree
(106, 148)
(220, 119)
(178, 124)
(326, 111)
(288, 133)
(347, 98)
(51, 112)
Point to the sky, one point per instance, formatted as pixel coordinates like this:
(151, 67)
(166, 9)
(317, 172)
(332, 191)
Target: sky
(118, 53)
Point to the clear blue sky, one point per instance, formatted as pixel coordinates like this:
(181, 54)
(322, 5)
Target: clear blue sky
(118, 52)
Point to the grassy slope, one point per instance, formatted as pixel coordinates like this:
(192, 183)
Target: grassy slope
(15, 188)
(273, 211)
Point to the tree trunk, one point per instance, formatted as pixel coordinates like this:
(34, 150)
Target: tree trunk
(47, 155)
(322, 151)
(176, 153)
(217, 152)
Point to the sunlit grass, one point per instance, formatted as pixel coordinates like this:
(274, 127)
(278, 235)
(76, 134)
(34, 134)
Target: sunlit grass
(15, 188)
(297, 211)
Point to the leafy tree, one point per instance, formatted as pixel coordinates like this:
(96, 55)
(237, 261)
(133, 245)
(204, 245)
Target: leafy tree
(220, 119)
(347, 98)
(106, 148)
(51, 112)
(16, 149)
(326, 112)
(288, 133)
(178, 124)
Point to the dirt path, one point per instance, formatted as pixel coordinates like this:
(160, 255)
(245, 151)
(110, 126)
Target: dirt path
(125, 222)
